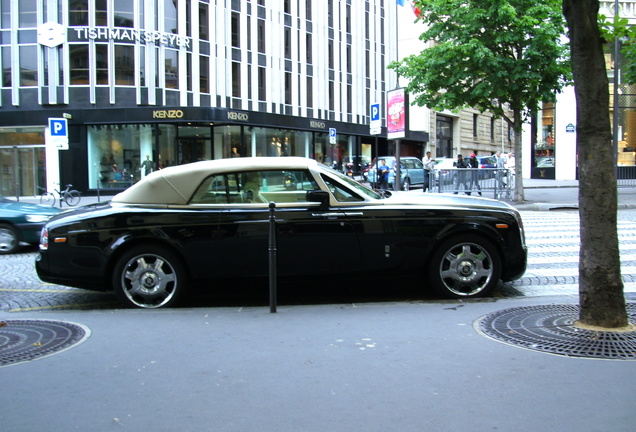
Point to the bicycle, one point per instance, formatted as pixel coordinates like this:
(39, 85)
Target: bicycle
(70, 196)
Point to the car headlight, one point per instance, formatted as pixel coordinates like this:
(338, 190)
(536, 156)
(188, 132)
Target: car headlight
(37, 218)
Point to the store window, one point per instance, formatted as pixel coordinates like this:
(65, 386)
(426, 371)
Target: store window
(278, 142)
(114, 155)
(544, 151)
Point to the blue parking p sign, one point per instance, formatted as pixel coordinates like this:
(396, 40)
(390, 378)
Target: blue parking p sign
(58, 127)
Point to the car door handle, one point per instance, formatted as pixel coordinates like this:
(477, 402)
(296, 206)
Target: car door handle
(337, 214)
(327, 214)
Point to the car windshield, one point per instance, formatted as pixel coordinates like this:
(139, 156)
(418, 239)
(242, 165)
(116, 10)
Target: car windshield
(359, 188)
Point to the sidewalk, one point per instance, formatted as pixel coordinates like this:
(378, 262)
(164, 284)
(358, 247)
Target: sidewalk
(375, 367)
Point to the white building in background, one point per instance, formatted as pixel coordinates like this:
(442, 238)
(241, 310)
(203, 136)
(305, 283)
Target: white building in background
(550, 142)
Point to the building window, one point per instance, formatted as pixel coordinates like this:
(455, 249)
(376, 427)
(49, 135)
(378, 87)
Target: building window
(204, 74)
(236, 30)
(261, 36)
(101, 64)
(288, 91)
(79, 64)
(124, 13)
(170, 16)
(78, 13)
(101, 13)
(6, 66)
(172, 69)
(492, 128)
(28, 66)
(475, 125)
(204, 22)
(28, 13)
(124, 65)
(262, 88)
(236, 79)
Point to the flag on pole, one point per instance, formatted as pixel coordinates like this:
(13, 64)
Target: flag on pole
(400, 2)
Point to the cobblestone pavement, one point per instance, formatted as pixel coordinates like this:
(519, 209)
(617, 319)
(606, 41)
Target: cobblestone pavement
(552, 239)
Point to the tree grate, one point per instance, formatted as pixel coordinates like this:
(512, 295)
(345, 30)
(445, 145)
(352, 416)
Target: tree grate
(26, 340)
(550, 329)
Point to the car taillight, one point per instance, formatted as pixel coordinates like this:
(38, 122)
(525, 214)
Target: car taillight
(44, 239)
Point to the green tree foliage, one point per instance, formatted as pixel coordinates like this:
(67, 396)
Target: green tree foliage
(492, 55)
(621, 29)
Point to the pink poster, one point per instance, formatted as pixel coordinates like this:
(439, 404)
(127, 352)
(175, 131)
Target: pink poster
(396, 114)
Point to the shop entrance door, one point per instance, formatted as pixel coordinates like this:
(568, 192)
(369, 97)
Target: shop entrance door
(193, 150)
(22, 170)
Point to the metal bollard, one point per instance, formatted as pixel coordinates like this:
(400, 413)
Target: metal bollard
(272, 257)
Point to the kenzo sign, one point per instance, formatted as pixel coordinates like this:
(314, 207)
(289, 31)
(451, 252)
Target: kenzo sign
(167, 114)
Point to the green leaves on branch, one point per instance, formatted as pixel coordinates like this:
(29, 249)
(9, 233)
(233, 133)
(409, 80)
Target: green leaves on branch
(619, 28)
(488, 54)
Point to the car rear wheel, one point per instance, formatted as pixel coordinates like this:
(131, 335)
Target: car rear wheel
(149, 277)
(9, 239)
(465, 267)
(407, 184)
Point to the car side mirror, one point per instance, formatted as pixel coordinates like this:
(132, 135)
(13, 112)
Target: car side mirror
(319, 196)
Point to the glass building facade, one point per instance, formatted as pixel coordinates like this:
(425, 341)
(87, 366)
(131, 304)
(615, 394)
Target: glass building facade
(145, 84)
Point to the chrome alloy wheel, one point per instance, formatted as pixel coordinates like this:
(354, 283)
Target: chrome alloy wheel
(467, 269)
(149, 280)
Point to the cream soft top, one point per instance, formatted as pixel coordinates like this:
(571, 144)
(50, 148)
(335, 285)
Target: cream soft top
(175, 185)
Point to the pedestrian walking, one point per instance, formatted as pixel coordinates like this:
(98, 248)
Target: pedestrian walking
(429, 165)
(501, 166)
(383, 175)
(461, 173)
(474, 173)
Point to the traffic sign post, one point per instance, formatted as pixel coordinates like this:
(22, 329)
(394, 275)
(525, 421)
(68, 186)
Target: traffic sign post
(57, 135)
(376, 123)
(332, 135)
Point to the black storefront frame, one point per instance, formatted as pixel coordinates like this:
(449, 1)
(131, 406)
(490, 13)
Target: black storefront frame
(74, 163)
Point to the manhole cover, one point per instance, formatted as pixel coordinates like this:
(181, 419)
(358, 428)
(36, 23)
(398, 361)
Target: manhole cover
(550, 329)
(22, 341)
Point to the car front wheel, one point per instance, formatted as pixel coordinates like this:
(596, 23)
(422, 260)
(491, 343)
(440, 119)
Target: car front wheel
(465, 267)
(9, 240)
(149, 279)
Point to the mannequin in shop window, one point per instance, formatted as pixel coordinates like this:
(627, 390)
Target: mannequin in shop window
(146, 166)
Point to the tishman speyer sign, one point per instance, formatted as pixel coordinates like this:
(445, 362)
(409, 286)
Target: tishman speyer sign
(53, 34)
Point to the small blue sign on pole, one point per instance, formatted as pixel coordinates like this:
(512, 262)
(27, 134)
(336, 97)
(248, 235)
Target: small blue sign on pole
(58, 127)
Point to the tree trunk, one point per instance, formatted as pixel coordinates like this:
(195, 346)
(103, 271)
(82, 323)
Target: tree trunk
(601, 298)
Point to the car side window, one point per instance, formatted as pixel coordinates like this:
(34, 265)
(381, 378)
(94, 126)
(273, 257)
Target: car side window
(248, 187)
(340, 193)
(417, 164)
(218, 189)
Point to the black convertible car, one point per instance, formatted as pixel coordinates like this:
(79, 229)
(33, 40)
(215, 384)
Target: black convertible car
(209, 221)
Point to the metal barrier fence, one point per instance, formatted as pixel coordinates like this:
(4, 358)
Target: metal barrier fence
(626, 176)
(488, 182)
